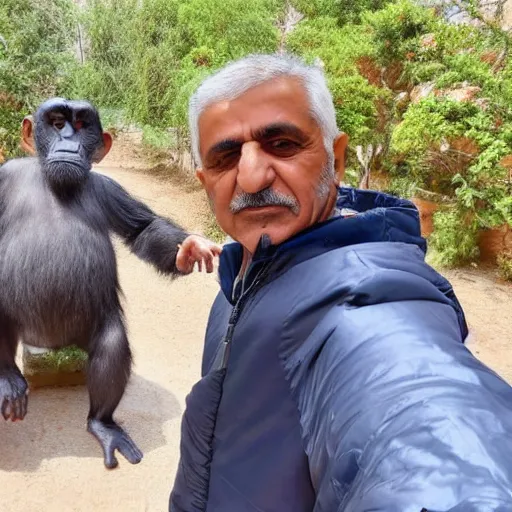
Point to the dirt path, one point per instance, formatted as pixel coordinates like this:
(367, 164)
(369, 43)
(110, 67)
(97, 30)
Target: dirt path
(49, 462)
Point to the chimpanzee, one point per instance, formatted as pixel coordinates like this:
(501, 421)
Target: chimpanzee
(58, 273)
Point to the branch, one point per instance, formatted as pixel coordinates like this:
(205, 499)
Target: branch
(292, 17)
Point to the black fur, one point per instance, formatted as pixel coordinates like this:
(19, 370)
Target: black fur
(59, 283)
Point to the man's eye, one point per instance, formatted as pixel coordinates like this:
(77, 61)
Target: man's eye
(283, 147)
(226, 161)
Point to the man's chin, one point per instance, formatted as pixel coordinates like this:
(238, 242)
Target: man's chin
(278, 226)
(251, 238)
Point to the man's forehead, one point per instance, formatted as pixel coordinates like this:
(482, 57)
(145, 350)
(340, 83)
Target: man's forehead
(282, 100)
(284, 87)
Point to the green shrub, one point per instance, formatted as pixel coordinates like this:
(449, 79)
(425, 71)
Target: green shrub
(454, 239)
(39, 37)
(156, 138)
(344, 11)
(505, 266)
(397, 29)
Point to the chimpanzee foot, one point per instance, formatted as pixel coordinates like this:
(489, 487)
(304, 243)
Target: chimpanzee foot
(111, 437)
(13, 395)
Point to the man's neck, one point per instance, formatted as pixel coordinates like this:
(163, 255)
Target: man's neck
(246, 261)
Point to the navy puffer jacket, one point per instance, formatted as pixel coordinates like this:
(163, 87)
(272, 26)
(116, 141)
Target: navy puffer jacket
(338, 381)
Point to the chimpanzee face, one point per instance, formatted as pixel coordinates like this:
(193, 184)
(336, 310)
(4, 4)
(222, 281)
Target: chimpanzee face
(67, 135)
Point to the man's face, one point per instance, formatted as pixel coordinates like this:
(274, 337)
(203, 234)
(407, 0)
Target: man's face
(266, 141)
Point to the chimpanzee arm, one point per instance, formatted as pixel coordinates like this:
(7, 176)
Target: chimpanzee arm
(149, 236)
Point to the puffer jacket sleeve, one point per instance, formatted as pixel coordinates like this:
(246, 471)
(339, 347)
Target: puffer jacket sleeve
(398, 416)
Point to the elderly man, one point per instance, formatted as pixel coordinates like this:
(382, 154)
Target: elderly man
(335, 377)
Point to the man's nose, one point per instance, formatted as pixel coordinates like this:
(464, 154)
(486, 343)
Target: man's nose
(255, 171)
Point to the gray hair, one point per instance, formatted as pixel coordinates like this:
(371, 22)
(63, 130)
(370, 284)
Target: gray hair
(241, 75)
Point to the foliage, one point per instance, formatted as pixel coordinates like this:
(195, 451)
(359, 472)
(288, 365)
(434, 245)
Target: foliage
(213, 230)
(156, 139)
(340, 50)
(343, 11)
(143, 59)
(62, 360)
(505, 266)
(38, 37)
(454, 238)
(397, 29)
(146, 56)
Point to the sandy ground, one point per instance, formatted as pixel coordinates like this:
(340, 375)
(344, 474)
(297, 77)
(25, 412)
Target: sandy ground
(49, 463)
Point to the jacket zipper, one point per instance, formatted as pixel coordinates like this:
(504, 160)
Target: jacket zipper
(222, 357)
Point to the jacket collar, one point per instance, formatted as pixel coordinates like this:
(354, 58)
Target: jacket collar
(380, 218)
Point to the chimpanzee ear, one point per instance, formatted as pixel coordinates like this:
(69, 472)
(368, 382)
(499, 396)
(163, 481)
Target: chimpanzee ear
(101, 153)
(27, 136)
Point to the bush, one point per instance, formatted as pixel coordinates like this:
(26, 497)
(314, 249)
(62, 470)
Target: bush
(505, 266)
(343, 11)
(454, 239)
(39, 37)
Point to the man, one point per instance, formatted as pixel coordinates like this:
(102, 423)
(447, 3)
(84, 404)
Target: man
(334, 377)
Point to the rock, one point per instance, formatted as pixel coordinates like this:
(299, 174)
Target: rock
(393, 76)
(507, 15)
(61, 367)
(493, 242)
(506, 162)
(426, 211)
(483, 103)
(465, 145)
(401, 100)
(367, 68)
(421, 91)
(428, 41)
(444, 146)
(489, 57)
(460, 94)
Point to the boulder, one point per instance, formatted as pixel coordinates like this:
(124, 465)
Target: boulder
(466, 93)
(421, 91)
(494, 242)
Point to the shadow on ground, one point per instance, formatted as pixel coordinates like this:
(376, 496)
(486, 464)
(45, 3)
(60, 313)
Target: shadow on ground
(55, 425)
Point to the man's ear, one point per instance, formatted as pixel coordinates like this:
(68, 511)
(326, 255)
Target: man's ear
(101, 153)
(27, 136)
(339, 148)
(200, 175)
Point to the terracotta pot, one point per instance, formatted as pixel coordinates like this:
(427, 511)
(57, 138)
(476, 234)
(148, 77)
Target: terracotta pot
(427, 210)
(492, 242)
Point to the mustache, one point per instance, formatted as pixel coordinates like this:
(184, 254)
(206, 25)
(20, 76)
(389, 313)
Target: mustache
(265, 197)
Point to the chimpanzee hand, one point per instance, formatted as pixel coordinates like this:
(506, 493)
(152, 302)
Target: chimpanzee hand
(196, 249)
(13, 394)
(111, 437)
